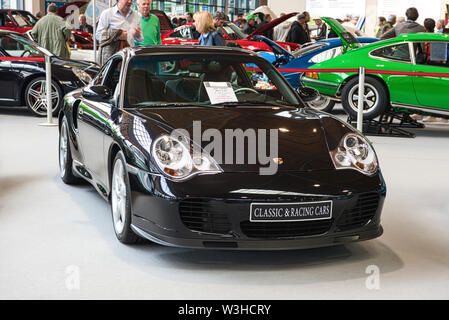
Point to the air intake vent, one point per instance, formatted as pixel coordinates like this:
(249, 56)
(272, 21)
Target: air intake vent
(204, 216)
(361, 214)
(272, 230)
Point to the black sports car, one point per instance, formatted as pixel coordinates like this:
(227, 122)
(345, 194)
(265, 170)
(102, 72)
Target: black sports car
(22, 74)
(208, 147)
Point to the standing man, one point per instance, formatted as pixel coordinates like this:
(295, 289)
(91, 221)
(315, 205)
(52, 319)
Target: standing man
(409, 26)
(298, 33)
(219, 18)
(84, 26)
(189, 17)
(440, 26)
(151, 28)
(52, 33)
(250, 24)
(118, 27)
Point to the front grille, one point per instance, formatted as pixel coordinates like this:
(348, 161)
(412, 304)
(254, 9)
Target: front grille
(285, 229)
(204, 216)
(358, 216)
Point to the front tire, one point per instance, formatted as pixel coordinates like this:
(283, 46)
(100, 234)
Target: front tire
(35, 97)
(376, 100)
(121, 201)
(322, 104)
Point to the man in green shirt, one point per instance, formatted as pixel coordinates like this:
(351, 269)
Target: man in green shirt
(151, 28)
(52, 33)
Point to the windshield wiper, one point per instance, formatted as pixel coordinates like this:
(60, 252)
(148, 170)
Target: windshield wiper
(251, 103)
(144, 105)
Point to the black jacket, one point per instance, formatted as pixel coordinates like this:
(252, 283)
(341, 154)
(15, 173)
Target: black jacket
(86, 28)
(248, 29)
(297, 34)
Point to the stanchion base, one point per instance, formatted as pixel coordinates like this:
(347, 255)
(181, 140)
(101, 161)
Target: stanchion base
(48, 124)
(389, 124)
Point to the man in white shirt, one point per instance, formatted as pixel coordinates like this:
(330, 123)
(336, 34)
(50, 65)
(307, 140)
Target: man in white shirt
(118, 27)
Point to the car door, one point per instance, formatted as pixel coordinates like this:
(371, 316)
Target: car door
(431, 81)
(93, 123)
(9, 70)
(396, 60)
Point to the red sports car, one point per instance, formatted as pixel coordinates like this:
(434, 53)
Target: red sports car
(187, 34)
(22, 21)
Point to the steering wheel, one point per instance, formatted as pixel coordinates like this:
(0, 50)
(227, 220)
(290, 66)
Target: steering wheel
(23, 53)
(246, 89)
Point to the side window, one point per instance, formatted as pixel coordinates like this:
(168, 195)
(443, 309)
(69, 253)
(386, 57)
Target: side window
(326, 55)
(186, 33)
(17, 48)
(98, 80)
(398, 52)
(431, 53)
(113, 76)
(2, 19)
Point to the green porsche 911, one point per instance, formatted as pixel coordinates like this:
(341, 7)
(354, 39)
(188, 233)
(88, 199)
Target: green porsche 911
(410, 72)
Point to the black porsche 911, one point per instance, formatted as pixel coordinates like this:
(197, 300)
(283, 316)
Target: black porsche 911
(22, 74)
(206, 147)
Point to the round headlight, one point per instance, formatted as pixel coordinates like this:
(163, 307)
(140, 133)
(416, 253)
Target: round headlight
(355, 152)
(172, 156)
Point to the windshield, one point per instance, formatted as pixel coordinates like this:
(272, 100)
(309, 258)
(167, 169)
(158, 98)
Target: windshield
(29, 17)
(305, 50)
(234, 32)
(21, 19)
(204, 80)
(18, 46)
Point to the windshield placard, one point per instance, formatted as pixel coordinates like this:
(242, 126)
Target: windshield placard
(220, 92)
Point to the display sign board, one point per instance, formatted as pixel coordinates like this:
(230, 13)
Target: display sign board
(220, 92)
(336, 8)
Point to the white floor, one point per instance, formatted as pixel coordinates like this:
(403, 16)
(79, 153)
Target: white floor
(57, 242)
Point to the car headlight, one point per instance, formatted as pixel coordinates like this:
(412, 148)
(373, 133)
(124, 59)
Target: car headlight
(82, 75)
(175, 160)
(355, 152)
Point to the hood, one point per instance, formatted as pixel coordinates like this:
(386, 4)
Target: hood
(164, 21)
(271, 25)
(302, 142)
(348, 40)
(280, 53)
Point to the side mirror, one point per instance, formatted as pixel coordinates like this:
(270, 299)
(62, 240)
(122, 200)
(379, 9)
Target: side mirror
(96, 93)
(308, 94)
(9, 24)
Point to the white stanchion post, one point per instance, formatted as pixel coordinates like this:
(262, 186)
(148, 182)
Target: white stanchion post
(94, 16)
(48, 99)
(361, 99)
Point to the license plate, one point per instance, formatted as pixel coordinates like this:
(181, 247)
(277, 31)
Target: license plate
(283, 212)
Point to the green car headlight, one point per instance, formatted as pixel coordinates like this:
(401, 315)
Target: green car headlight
(355, 152)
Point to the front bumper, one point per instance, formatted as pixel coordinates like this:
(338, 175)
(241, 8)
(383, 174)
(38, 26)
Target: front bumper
(213, 211)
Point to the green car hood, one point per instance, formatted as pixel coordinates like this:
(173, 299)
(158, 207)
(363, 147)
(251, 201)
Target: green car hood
(348, 40)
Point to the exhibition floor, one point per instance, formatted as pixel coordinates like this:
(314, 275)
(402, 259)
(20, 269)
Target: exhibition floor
(57, 241)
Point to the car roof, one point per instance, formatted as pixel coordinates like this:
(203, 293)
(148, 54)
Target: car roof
(424, 36)
(180, 49)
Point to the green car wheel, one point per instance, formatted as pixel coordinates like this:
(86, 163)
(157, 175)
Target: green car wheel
(376, 100)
